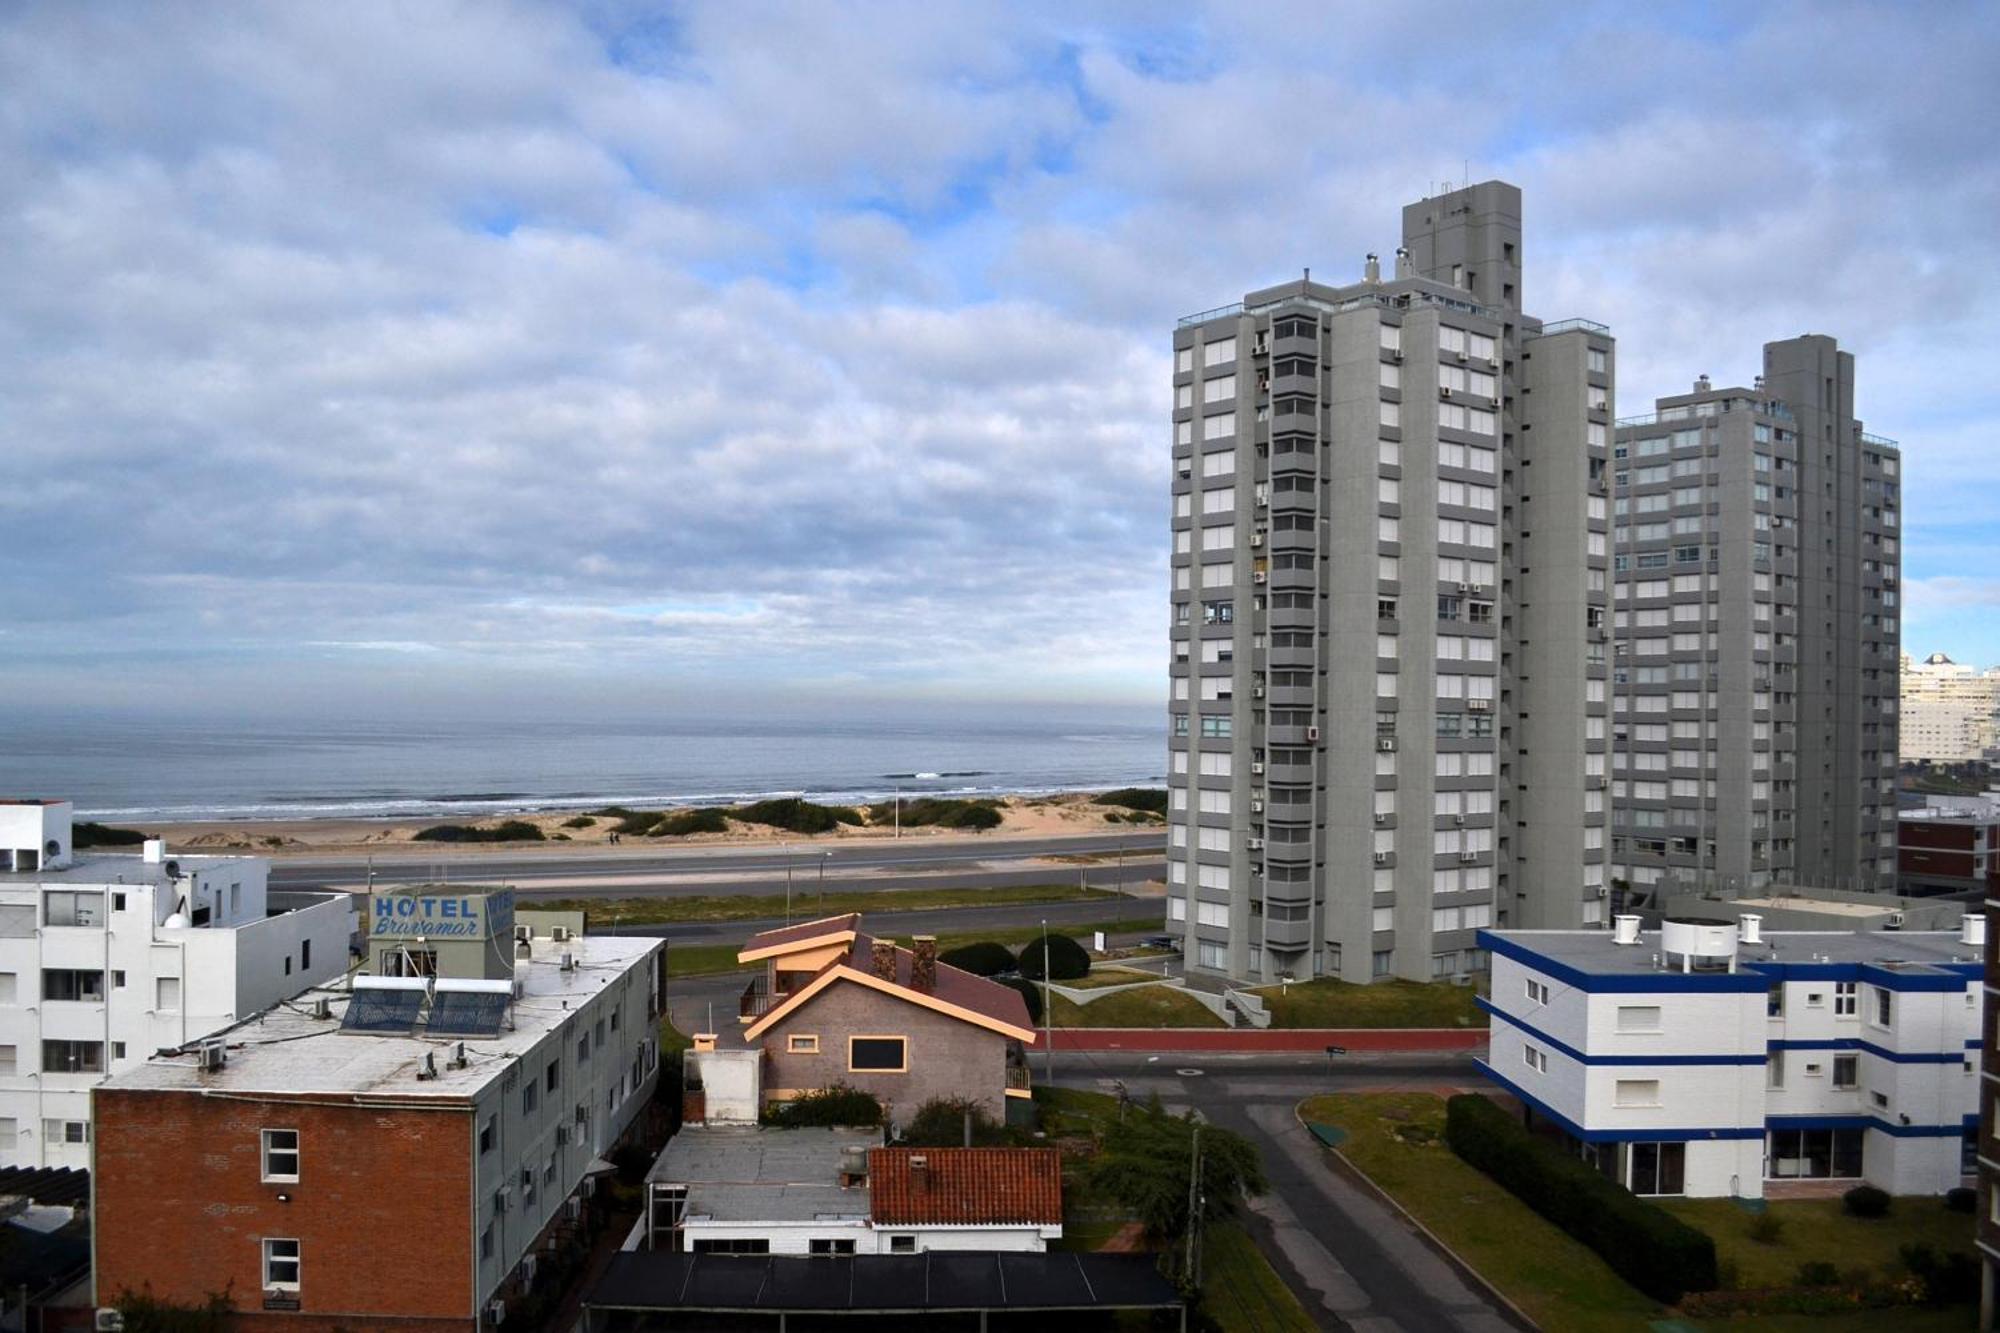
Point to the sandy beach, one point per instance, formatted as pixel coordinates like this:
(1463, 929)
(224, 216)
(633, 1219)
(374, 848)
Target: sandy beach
(1021, 816)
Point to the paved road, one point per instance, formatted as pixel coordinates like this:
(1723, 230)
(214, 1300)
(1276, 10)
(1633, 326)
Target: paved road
(1352, 1262)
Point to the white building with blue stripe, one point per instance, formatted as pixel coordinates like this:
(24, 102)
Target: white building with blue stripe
(1708, 1058)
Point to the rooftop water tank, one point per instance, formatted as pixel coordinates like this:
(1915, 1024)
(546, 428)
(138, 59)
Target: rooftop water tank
(1700, 943)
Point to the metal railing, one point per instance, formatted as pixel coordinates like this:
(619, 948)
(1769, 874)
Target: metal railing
(1881, 441)
(1572, 326)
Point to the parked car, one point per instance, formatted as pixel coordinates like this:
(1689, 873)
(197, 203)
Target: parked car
(1162, 942)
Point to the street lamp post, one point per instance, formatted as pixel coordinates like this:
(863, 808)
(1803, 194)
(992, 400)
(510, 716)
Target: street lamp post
(1048, 1003)
(788, 884)
(824, 857)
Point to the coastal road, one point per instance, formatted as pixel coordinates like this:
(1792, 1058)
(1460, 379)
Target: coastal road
(1352, 1262)
(1115, 859)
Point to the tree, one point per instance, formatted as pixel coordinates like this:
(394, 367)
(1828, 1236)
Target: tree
(940, 1123)
(1148, 1157)
(1067, 960)
(1030, 992)
(982, 958)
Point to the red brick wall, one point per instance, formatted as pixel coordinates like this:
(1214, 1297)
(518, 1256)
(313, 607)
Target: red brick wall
(383, 1208)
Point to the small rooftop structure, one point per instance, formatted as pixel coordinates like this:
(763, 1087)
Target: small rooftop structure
(754, 1173)
(1947, 957)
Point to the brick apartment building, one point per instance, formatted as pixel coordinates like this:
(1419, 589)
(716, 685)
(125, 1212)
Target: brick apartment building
(395, 1155)
(1948, 846)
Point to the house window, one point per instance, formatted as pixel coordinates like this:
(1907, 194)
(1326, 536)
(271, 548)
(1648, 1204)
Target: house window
(1535, 1058)
(281, 1265)
(1538, 991)
(66, 1131)
(1638, 1018)
(486, 1131)
(732, 1245)
(1844, 996)
(281, 1154)
(168, 993)
(1820, 1154)
(878, 1055)
(829, 1245)
(1884, 1006)
(62, 983)
(1846, 1071)
(908, 1244)
(802, 1044)
(1636, 1092)
(73, 907)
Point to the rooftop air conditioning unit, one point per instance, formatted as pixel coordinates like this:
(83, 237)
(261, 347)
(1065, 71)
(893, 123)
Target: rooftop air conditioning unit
(110, 1321)
(1385, 744)
(1459, 820)
(558, 933)
(1256, 807)
(1381, 858)
(1445, 392)
(1256, 765)
(1480, 705)
(1256, 539)
(1256, 844)
(1467, 858)
(1258, 576)
(569, 962)
(213, 1055)
(1895, 921)
(522, 934)
(496, 1312)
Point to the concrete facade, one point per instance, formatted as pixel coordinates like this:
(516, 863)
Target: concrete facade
(1795, 1055)
(1757, 560)
(945, 1056)
(1388, 719)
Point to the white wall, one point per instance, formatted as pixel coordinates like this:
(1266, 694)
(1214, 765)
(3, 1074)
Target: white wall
(797, 1237)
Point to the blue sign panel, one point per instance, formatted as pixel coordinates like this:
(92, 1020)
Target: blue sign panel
(441, 916)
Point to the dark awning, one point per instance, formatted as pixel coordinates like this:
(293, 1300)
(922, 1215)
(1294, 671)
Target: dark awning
(880, 1283)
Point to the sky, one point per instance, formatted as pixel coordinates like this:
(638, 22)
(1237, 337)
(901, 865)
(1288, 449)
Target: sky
(601, 355)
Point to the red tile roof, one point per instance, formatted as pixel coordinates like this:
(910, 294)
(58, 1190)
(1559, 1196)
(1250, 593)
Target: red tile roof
(965, 1186)
(954, 986)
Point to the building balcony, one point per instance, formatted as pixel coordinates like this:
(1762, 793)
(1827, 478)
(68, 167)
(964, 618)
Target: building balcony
(756, 1001)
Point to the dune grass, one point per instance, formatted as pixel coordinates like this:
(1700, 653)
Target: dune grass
(808, 904)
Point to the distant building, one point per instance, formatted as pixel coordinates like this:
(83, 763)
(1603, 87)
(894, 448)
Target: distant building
(1989, 1116)
(1757, 561)
(105, 959)
(1948, 711)
(1783, 907)
(836, 1005)
(1712, 1059)
(751, 1190)
(1949, 846)
(398, 1153)
(1388, 722)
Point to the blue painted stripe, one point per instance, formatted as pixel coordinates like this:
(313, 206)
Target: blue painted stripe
(1899, 1131)
(1881, 1052)
(1581, 1058)
(1617, 1135)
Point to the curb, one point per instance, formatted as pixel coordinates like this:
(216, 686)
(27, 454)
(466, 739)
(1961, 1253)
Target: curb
(1250, 1041)
(1354, 1175)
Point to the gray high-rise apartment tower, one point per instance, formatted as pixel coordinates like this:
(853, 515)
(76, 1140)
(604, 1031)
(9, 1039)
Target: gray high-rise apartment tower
(1389, 676)
(1756, 554)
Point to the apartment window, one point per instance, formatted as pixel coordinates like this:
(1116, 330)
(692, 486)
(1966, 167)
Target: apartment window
(1845, 998)
(1884, 1006)
(531, 1095)
(1846, 1071)
(1636, 1092)
(487, 1130)
(1538, 991)
(732, 1245)
(1638, 1018)
(1535, 1058)
(9, 1059)
(908, 1244)
(66, 1131)
(878, 1055)
(62, 983)
(1658, 1168)
(830, 1245)
(72, 1057)
(486, 1242)
(281, 1263)
(73, 907)
(281, 1154)
(802, 1044)
(1774, 1002)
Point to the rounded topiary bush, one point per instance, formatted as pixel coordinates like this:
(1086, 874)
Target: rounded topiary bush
(1066, 960)
(983, 958)
(1029, 992)
(1964, 1199)
(1866, 1201)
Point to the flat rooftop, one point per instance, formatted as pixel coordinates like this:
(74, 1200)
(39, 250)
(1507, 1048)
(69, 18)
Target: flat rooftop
(285, 1050)
(750, 1173)
(1594, 953)
(91, 869)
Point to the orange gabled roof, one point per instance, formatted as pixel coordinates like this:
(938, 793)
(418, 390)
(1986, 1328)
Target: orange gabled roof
(960, 994)
(965, 1187)
(805, 935)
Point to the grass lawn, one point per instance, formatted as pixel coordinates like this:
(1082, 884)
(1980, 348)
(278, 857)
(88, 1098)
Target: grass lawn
(1153, 1007)
(807, 906)
(1240, 1289)
(1821, 1229)
(1398, 1140)
(1102, 977)
(707, 959)
(1324, 1003)
(672, 1038)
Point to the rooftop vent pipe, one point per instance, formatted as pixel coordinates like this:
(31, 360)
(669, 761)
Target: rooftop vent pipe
(1972, 929)
(1752, 926)
(1624, 930)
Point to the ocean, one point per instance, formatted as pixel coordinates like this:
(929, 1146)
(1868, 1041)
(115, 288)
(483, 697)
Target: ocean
(122, 769)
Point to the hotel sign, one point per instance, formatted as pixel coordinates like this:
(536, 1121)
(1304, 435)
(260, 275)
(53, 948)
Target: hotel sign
(441, 916)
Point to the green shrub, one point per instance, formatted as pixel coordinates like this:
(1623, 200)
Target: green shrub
(579, 821)
(940, 812)
(1964, 1199)
(1151, 800)
(511, 830)
(1866, 1201)
(683, 822)
(1656, 1252)
(1029, 992)
(794, 815)
(837, 1104)
(629, 823)
(983, 958)
(1766, 1228)
(940, 1123)
(1952, 1279)
(1816, 1273)
(87, 834)
(1067, 960)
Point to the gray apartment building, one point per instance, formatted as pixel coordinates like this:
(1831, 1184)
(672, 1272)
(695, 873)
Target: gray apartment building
(1756, 553)
(1390, 676)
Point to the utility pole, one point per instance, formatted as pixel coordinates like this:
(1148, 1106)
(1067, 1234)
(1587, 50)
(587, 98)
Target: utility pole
(1194, 1197)
(824, 857)
(788, 884)
(1048, 1015)
(899, 812)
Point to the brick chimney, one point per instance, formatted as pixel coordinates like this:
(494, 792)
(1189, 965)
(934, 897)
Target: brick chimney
(923, 963)
(884, 958)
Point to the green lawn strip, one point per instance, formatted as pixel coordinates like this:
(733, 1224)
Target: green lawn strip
(1903, 1319)
(694, 960)
(1241, 1291)
(1325, 1003)
(1103, 977)
(1153, 1007)
(1560, 1283)
(672, 1039)
(807, 905)
(1820, 1229)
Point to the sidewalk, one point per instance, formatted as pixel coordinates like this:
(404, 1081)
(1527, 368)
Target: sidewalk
(1254, 1040)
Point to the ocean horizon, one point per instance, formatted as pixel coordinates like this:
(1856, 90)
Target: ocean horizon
(135, 770)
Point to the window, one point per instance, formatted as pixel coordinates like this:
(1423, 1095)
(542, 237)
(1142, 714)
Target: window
(1638, 1018)
(1846, 1071)
(1774, 1002)
(1884, 1006)
(66, 1131)
(732, 1245)
(9, 1059)
(1813, 1154)
(1844, 998)
(1535, 1058)
(487, 1130)
(281, 1154)
(1658, 1168)
(281, 1264)
(880, 1055)
(81, 907)
(531, 1093)
(62, 983)
(802, 1044)
(486, 1242)
(72, 1057)
(908, 1244)
(1636, 1092)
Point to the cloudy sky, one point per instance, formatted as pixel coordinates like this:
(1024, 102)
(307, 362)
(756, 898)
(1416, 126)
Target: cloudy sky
(494, 352)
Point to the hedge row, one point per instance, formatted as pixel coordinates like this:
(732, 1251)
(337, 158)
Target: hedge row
(1648, 1247)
